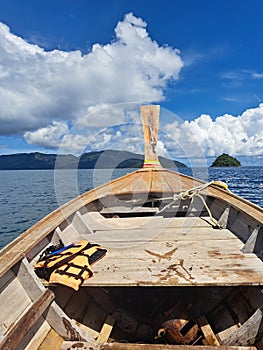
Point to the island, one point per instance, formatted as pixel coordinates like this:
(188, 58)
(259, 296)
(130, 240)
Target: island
(225, 160)
(109, 159)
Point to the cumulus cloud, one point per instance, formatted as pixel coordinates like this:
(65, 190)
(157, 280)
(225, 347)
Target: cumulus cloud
(200, 138)
(236, 135)
(50, 135)
(39, 87)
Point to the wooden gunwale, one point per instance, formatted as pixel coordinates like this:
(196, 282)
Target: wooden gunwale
(70, 345)
(18, 248)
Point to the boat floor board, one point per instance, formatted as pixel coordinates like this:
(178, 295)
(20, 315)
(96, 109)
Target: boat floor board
(192, 255)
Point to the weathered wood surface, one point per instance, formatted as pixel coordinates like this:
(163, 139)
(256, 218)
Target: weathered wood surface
(106, 330)
(16, 334)
(208, 333)
(152, 222)
(116, 346)
(150, 121)
(251, 242)
(249, 331)
(52, 341)
(125, 346)
(196, 255)
(14, 302)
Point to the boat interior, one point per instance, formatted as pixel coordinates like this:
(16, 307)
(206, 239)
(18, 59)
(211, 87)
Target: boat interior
(164, 262)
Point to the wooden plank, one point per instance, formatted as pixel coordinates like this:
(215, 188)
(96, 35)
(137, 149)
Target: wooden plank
(16, 334)
(14, 301)
(250, 244)
(74, 308)
(196, 256)
(65, 326)
(91, 332)
(227, 332)
(106, 330)
(150, 123)
(68, 345)
(52, 341)
(160, 185)
(81, 226)
(208, 333)
(168, 269)
(247, 333)
(121, 209)
(35, 336)
(155, 221)
(223, 220)
(164, 232)
(94, 316)
(160, 252)
(125, 346)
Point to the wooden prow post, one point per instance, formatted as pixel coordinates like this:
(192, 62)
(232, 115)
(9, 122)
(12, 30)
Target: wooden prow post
(150, 123)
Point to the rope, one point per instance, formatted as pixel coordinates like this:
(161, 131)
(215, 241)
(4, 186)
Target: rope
(190, 194)
(214, 221)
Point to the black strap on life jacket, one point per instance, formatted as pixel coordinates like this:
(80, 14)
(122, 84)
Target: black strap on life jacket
(64, 271)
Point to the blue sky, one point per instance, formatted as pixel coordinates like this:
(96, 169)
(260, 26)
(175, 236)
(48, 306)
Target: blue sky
(68, 64)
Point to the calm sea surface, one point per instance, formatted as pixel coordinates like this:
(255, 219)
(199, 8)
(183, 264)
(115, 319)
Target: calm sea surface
(26, 196)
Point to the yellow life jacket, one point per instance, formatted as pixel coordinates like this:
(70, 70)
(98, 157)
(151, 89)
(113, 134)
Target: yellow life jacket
(70, 266)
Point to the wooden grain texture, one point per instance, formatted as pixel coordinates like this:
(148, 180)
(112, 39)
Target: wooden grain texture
(14, 302)
(52, 341)
(16, 334)
(167, 269)
(208, 333)
(150, 122)
(247, 333)
(197, 255)
(116, 346)
(106, 330)
(67, 345)
(35, 336)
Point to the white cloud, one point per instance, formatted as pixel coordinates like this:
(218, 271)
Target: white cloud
(240, 136)
(257, 75)
(237, 136)
(38, 87)
(50, 136)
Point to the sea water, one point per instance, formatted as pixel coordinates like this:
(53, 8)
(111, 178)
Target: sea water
(26, 196)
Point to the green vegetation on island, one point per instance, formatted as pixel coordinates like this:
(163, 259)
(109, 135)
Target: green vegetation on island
(226, 160)
(109, 159)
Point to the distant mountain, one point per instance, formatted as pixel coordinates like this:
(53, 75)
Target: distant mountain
(104, 160)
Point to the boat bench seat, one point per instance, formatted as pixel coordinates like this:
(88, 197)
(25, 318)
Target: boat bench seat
(161, 251)
(182, 252)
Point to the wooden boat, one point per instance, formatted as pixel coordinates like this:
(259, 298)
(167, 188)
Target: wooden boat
(183, 267)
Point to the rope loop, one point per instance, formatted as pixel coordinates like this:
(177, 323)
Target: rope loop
(189, 195)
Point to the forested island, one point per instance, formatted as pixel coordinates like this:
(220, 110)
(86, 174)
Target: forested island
(109, 159)
(225, 160)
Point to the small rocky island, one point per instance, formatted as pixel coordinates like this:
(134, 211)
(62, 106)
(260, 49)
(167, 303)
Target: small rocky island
(226, 160)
